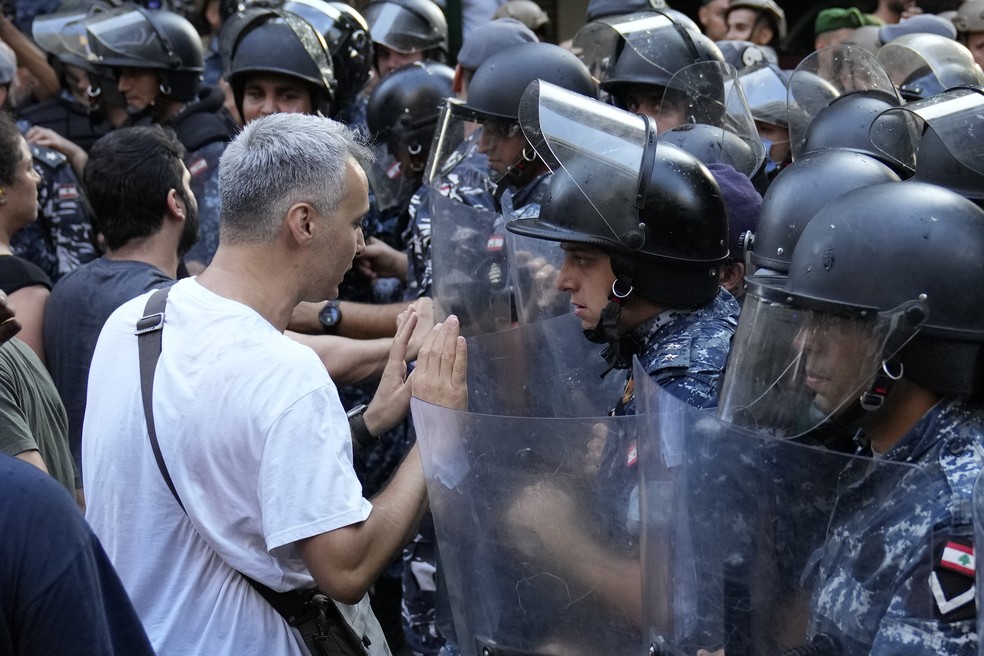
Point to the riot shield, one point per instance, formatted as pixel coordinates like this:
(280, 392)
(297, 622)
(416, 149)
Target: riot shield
(533, 268)
(760, 546)
(546, 369)
(533, 515)
(470, 273)
(454, 137)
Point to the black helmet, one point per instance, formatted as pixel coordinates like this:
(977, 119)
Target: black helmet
(161, 40)
(408, 26)
(404, 107)
(645, 48)
(799, 192)
(951, 148)
(248, 39)
(657, 210)
(347, 35)
(497, 87)
(935, 255)
(745, 54)
(846, 125)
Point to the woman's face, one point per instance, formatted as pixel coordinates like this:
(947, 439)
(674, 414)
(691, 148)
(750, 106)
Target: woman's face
(20, 195)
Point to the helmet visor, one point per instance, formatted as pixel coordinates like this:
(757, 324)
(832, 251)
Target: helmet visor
(64, 35)
(825, 76)
(954, 116)
(602, 43)
(923, 66)
(580, 137)
(707, 93)
(400, 29)
(765, 90)
(792, 369)
(125, 37)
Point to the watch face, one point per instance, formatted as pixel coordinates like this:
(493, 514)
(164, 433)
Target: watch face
(329, 316)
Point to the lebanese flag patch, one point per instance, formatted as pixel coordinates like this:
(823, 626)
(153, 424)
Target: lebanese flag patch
(958, 558)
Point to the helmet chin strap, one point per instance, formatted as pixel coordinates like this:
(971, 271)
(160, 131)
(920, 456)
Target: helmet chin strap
(620, 348)
(513, 175)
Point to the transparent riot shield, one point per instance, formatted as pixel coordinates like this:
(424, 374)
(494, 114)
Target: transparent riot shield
(469, 265)
(455, 138)
(708, 94)
(979, 565)
(533, 268)
(534, 515)
(760, 546)
(546, 369)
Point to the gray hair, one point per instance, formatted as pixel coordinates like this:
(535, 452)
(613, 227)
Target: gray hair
(277, 161)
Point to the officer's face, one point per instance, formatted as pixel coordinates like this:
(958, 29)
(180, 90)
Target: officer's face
(270, 93)
(713, 19)
(502, 143)
(650, 101)
(743, 26)
(388, 60)
(975, 43)
(587, 276)
(838, 353)
(139, 86)
(778, 137)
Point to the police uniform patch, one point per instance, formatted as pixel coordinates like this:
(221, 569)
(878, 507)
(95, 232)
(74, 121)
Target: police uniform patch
(952, 582)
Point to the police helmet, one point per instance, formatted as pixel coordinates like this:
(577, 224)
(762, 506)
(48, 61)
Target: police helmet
(404, 107)
(247, 43)
(160, 40)
(682, 223)
(970, 17)
(767, 8)
(408, 26)
(653, 60)
(497, 87)
(935, 256)
(924, 65)
(846, 124)
(799, 192)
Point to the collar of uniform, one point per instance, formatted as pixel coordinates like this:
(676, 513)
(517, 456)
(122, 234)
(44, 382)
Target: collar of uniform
(644, 331)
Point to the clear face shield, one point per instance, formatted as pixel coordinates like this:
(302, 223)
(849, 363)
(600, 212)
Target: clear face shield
(708, 94)
(125, 37)
(399, 29)
(578, 137)
(953, 118)
(751, 544)
(792, 368)
(825, 76)
(923, 65)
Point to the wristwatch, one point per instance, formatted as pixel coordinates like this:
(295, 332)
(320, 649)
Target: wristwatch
(357, 426)
(330, 316)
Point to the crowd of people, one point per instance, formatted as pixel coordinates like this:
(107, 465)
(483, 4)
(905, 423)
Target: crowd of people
(659, 340)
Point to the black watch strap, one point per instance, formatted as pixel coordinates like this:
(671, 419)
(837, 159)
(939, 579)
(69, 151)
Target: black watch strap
(357, 426)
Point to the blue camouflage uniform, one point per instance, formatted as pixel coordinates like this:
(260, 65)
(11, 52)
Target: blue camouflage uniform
(684, 352)
(62, 238)
(882, 584)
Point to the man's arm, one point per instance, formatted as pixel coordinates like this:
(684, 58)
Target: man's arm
(348, 361)
(346, 561)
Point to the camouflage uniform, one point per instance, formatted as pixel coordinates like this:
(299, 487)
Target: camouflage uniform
(62, 238)
(879, 589)
(685, 352)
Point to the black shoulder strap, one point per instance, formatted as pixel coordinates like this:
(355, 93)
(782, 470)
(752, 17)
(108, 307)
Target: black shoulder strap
(149, 337)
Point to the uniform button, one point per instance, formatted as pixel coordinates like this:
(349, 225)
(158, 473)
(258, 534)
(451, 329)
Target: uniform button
(956, 448)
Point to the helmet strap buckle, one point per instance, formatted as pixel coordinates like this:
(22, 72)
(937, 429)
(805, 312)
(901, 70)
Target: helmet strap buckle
(874, 397)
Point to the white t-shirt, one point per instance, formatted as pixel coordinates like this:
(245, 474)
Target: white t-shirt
(258, 446)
